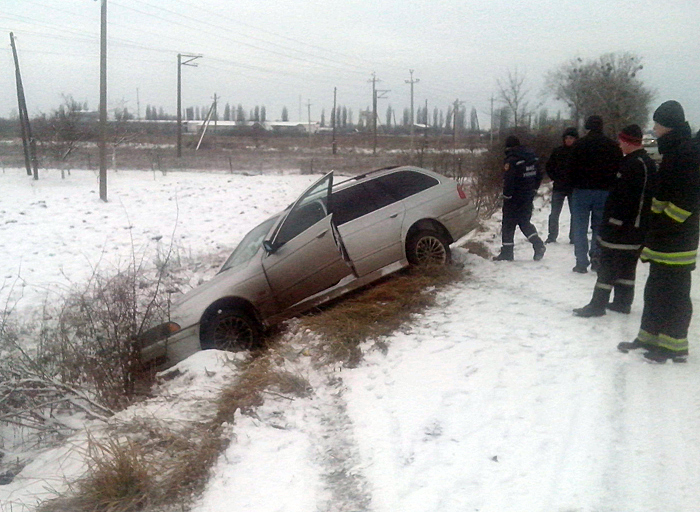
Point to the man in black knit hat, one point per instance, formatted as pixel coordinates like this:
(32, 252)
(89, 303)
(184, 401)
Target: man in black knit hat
(558, 171)
(671, 242)
(521, 179)
(621, 233)
(595, 161)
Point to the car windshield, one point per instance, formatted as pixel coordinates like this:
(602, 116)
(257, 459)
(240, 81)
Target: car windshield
(249, 245)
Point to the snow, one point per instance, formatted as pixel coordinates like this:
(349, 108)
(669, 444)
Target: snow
(498, 399)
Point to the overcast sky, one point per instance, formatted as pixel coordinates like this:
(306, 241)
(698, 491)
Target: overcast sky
(275, 53)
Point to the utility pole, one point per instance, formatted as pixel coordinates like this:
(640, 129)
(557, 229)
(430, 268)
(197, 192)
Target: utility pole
(412, 81)
(28, 142)
(138, 105)
(215, 114)
(492, 120)
(335, 119)
(308, 110)
(374, 81)
(103, 102)
(180, 63)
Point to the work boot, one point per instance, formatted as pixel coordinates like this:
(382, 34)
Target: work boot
(626, 346)
(622, 303)
(661, 355)
(551, 240)
(539, 248)
(506, 254)
(580, 269)
(597, 305)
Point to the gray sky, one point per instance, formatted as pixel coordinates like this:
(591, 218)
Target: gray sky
(272, 53)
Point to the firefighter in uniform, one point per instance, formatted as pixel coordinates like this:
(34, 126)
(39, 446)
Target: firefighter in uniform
(522, 178)
(671, 242)
(621, 233)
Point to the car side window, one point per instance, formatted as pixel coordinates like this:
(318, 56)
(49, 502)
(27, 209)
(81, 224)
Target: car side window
(354, 202)
(300, 220)
(403, 184)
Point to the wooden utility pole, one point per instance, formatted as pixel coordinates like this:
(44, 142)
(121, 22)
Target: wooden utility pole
(28, 142)
(180, 63)
(103, 103)
(412, 81)
(374, 112)
(492, 120)
(335, 119)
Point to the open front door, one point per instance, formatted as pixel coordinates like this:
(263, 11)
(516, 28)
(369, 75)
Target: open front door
(303, 256)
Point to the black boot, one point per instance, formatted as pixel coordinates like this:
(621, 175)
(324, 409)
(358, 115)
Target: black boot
(597, 305)
(622, 303)
(539, 248)
(626, 346)
(506, 254)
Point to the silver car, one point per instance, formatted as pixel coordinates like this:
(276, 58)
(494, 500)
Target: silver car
(331, 240)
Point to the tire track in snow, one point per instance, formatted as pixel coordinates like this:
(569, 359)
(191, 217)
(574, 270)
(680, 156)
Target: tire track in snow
(337, 454)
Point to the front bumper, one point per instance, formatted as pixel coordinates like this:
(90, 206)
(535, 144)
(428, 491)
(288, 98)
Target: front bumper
(171, 349)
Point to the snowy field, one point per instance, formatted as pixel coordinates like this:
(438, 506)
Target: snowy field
(497, 400)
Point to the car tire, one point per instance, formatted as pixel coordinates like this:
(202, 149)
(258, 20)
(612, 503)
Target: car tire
(427, 248)
(232, 330)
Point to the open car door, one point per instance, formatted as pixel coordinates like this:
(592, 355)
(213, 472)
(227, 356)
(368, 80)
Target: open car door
(303, 256)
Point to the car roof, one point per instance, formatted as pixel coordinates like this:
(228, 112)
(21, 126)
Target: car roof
(382, 171)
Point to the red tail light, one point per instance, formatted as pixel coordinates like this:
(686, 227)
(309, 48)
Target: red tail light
(460, 191)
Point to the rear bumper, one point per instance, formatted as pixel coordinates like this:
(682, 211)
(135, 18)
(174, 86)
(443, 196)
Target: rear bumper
(461, 221)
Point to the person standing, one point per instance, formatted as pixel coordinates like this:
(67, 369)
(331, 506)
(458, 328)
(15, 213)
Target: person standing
(625, 220)
(593, 166)
(671, 242)
(558, 171)
(522, 178)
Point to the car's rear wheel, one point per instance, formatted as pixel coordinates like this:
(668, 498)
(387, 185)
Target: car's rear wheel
(426, 248)
(231, 329)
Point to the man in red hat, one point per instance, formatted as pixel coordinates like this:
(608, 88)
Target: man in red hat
(622, 230)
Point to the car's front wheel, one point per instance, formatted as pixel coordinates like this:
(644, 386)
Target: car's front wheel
(426, 248)
(231, 329)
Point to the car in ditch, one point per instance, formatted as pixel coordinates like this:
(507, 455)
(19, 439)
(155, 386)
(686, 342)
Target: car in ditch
(333, 239)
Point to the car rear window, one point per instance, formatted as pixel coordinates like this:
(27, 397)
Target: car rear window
(403, 184)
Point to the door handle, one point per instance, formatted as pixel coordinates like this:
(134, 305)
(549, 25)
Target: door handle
(394, 216)
(322, 233)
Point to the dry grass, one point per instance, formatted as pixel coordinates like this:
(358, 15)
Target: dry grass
(478, 248)
(376, 312)
(150, 464)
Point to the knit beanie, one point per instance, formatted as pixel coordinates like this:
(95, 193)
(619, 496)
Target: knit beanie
(670, 114)
(631, 134)
(512, 141)
(594, 123)
(570, 132)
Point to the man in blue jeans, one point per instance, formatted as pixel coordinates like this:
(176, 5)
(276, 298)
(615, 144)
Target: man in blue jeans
(593, 167)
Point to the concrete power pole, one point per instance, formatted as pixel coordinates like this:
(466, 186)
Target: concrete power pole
(412, 81)
(308, 110)
(28, 142)
(335, 119)
(103, 103)
(180, 63)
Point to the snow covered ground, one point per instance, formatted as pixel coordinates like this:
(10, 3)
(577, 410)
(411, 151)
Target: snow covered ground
(496, 400)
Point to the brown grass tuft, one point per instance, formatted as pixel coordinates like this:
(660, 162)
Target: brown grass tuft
(376, 311)
(478, 248)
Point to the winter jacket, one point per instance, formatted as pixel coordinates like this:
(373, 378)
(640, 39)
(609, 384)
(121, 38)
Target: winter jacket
(628, 207)
(557, 168)
(523, 174)
(595, 161)
(674, 226)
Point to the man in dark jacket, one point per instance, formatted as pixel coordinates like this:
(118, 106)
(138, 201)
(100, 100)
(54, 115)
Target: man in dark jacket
(594, 163)
(521, 180)
(558, 171)
(621, 233)
(671, 242)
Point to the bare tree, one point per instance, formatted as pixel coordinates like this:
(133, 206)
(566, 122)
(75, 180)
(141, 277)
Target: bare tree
(607, 86)
(512, 94)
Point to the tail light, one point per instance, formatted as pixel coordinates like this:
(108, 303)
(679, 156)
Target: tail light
(460, 191)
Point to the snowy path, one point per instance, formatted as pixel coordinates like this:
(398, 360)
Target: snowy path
(499, 400)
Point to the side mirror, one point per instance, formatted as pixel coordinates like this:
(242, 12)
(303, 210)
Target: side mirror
(269, 246)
